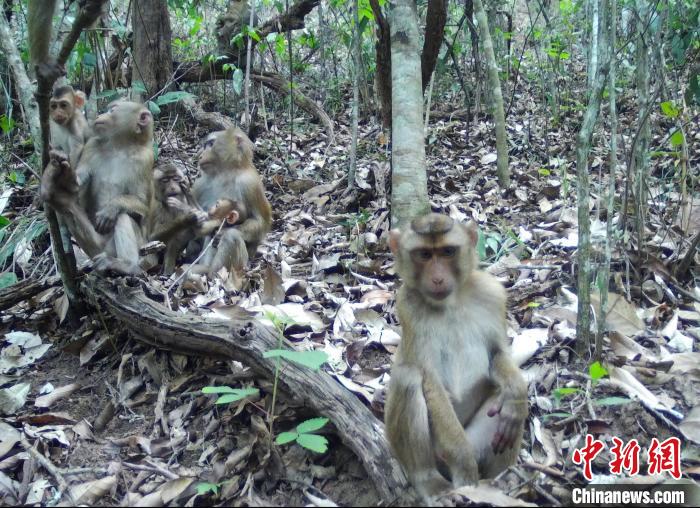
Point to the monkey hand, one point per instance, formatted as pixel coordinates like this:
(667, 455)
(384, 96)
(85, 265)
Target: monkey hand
(106, 218)
(174, 203)
(511, 410)
(200, 217)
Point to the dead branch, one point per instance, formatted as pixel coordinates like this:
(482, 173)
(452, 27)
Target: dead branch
(245, 340)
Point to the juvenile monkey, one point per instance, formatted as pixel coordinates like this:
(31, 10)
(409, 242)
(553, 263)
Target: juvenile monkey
(456, 402)
(106, 199)
(69, 129)
(227, 168)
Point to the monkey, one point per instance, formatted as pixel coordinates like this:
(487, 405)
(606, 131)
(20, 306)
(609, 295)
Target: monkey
(107, 198)
(69, 128)
(175, 213)
(226, 162)
(456, 402)
(231, 24)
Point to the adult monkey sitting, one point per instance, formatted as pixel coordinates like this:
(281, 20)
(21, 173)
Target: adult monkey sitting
(106, 199)
(227, 168)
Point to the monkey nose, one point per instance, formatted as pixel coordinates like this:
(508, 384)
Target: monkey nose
(438, 282)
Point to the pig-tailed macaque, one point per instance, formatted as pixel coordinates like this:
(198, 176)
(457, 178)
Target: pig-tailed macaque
(69, 129)
(106, 199)
(227, 168)
(456, 402)
(175, 214)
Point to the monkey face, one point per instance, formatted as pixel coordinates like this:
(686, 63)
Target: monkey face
(124, 120)
(170, 182)
(209, 156)
(434, 256)
(62, 109)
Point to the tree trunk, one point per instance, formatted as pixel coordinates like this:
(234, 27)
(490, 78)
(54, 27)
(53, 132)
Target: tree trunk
(499, 118)
(383, 71)
(583, 148)
(152, 47)
(409, 192)
(355, 92)
(435, 20)
(245, 340)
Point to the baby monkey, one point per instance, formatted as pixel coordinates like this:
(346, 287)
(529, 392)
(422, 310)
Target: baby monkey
(456, 402)
(227, 210)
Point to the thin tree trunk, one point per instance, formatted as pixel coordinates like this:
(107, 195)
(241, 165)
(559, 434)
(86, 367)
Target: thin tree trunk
(583, 147)
(152, 46)
(499, 118)
(605, 270)
(641, 152)
(593, 47)
(355, 92)
(435, 19)
(383, 61)
(409, 193)
(249, 55)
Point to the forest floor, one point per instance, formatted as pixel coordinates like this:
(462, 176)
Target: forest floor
(325, 269)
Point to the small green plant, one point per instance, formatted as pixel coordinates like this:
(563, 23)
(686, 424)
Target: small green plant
(597, 371)
(205, 488)
(358, 219)
(228, 394)
(559, 393)
(310, 359)
(6, 124)
(303, 435)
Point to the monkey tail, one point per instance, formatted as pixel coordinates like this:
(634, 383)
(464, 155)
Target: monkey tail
(39, 20)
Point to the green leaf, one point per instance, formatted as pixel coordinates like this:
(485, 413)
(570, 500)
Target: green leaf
(544, 172)
(597, 371)
(669, 109)
(310, 359)
(492, 244)
(311, 425)
(138, 87)
(556, 415)
(313, 442)
(612, 401)
(89, 59)
(232, 397)
(237, 81)
(481, 246)
(560, 393)
(153, 108)
(217, 389)
(6, 124)
(677, 138)
(286, 437)
(4, 221)
(7, 279)
(203, 488)
(170, 97)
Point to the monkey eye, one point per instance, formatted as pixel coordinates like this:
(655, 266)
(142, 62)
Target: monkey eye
(208, 143)
(449, 252)
(423, 254)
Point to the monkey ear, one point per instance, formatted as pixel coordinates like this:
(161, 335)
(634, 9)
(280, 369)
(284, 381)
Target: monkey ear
(472, 232)
(79, 99)
(145, 118)
(232, 217)
(394, 236)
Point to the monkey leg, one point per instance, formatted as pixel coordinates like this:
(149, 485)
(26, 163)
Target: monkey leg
(408, 431)
(231, 252)
(122, 253)
(481, 430)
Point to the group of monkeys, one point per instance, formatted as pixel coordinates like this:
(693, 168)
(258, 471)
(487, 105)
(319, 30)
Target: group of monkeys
(456, 402)
(101, 182)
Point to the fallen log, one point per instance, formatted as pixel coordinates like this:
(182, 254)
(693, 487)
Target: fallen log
(245, 340)
(24, 290)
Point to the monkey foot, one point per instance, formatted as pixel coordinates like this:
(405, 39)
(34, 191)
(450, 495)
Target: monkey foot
(107, 265)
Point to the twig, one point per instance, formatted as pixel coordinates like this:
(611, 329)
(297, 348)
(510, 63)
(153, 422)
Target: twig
(51, 469)
(201, 254)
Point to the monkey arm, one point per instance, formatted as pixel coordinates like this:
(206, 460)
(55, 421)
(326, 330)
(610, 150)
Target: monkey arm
(256, 226)
(170, 230)
(448, 435)
(511, 405)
